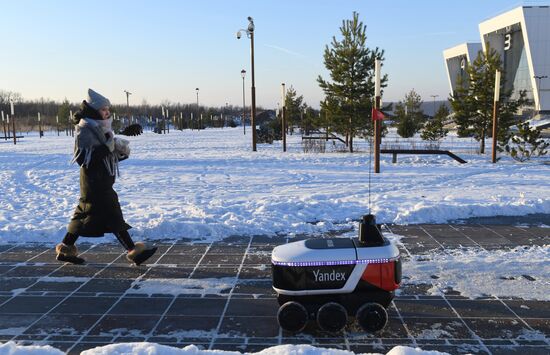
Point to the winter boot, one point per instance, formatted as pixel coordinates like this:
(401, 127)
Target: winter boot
(140, 253)
(68, 253)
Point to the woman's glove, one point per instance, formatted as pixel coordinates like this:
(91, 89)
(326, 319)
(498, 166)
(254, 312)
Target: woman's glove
(122, 148)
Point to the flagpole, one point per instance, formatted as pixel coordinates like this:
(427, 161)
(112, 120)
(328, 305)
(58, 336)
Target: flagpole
(376, 121)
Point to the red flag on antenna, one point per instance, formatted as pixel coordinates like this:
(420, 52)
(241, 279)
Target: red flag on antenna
(377, 115)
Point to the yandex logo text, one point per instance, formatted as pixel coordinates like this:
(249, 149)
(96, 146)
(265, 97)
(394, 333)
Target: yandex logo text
(329, 276)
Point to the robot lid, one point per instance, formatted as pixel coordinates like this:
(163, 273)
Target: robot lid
(333, 251)
(315, 250)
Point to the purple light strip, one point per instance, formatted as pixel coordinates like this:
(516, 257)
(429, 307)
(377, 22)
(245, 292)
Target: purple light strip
(334, 263)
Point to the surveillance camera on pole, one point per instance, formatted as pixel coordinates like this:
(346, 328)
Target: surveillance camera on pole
(250, 34)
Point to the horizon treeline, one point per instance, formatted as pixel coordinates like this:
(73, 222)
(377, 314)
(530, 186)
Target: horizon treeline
(49, 109)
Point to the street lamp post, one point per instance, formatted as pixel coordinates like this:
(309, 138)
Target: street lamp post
(4, 126)
(250, 34)
(539, 78)
(243, 73)
(434, 96)
(161, 130)
(283, 115)
(39, 126)
(12, 111)
(68, 126)
(127, 103)
(225, 115)
(167, 123)
(198, 117)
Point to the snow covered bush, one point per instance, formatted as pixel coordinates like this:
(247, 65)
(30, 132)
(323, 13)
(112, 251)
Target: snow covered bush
(526, 143)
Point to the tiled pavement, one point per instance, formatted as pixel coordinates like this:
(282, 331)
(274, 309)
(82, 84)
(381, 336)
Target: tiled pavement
(74, 308)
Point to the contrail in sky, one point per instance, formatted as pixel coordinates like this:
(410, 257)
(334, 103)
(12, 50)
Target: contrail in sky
(287, 51)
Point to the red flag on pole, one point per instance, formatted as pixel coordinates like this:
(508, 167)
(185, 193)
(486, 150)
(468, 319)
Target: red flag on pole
(377, 115)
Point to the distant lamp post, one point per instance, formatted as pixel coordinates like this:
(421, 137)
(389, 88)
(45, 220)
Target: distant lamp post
(161, 129)
(225, 115)
(539, 89)
(250, 34)
(167, 123)
(39, 126)
(283, 115)
(127, 102)
(68, 128)
(199, 119)
(12, 111)
(434, 96)
(4, 127)
(243, 74)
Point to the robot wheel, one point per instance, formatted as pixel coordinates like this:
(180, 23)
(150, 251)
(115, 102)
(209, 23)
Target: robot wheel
(292, 316)
(332, 317)
(372, 317)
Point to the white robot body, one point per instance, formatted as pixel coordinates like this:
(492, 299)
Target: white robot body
(329, 279)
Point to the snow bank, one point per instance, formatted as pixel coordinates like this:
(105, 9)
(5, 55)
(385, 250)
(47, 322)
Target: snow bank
(208, 185)
(152, 349)
(11, 348)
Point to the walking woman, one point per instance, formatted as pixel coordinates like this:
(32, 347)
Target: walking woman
(98, 153)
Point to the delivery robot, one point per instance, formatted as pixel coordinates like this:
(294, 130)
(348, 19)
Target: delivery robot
(331, 279)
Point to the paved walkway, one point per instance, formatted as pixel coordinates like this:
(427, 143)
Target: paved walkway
(74, 308)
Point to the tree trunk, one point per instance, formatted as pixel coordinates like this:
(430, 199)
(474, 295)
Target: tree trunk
(351, 141)
(482, 142)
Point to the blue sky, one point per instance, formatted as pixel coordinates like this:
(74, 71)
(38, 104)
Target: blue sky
(162, 50)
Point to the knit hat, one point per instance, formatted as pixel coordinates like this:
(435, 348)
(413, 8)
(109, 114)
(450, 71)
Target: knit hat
(97, 101)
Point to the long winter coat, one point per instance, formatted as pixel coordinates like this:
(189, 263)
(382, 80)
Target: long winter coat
(98, 210)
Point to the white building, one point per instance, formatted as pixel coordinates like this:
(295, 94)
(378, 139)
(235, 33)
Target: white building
(522, 38)
(457, 60)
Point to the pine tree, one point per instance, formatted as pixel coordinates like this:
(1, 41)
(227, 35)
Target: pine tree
(333, 117)
(351, 89)
(309, 122)
(433, 130)
(293, 108)
(526, 143)
(460, 104)
(409, 116)
(473, 100)
(63, 113)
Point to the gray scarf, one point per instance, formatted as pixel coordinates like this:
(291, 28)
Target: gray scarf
(89, 135)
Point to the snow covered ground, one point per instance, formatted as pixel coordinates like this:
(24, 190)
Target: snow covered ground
(521, 272)
(209, 185)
